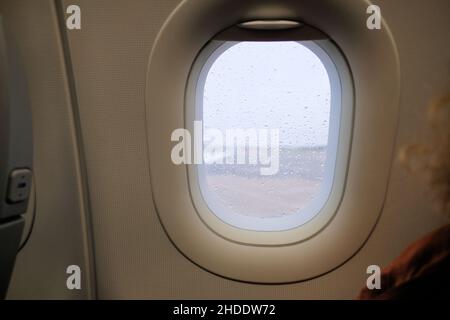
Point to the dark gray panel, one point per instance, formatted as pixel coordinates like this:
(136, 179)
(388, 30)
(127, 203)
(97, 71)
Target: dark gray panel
(10, 235)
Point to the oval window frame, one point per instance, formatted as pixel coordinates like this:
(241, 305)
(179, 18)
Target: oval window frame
(377, 85)
(341, 111)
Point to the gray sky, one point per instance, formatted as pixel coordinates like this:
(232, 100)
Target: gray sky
(270, 85)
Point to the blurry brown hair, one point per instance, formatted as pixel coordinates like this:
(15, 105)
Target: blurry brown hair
(432, 160)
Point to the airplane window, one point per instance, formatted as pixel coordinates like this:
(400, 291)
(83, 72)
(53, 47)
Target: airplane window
(269, 133)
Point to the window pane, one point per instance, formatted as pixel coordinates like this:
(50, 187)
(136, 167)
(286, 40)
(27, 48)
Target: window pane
(267, 102)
